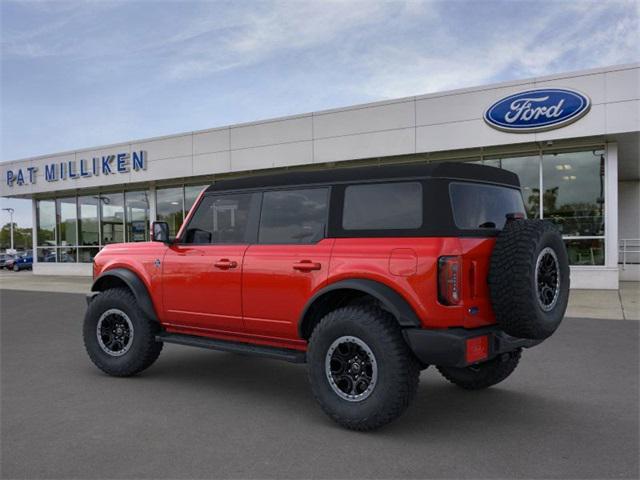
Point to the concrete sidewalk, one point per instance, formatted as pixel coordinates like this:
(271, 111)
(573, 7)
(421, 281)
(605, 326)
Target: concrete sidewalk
(26, 280)
(623, 304)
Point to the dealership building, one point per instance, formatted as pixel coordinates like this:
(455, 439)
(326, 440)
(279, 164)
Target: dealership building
(573, 139)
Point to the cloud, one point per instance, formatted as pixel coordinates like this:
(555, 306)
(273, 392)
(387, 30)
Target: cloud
(563, 37)
(268, 30)
(47, 32)
(102, 72)
(399, 48)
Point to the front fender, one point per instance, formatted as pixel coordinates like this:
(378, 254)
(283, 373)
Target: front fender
(133, 282)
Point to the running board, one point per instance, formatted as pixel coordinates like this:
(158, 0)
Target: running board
(289, 355)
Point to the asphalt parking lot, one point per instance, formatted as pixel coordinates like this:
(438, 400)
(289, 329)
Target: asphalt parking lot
(569, 411)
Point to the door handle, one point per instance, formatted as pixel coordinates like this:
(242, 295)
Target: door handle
(306, 266)
(225, 264)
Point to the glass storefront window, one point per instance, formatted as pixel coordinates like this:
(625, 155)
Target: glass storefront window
(573, 197)
(574, 192)
(112, 218)
(66, 255)
(191, 193)
(137, 216)
(46, 218)
(46, 254)
(88, 221)
(73, 230)
(528, 170)
(169, 207)
(585, 251)
(86, 254)
(67, 221)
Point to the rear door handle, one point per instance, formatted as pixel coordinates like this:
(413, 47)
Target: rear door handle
(225, 264)
(306, 266)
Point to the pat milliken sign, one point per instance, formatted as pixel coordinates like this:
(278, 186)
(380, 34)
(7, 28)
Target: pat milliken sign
(105, 165)
(537, 110)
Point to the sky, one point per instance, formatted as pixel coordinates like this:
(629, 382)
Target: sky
(87, 73)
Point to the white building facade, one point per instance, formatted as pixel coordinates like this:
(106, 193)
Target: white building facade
(581, 172)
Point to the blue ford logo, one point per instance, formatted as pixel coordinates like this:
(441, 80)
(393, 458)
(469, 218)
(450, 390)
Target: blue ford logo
(536, 110)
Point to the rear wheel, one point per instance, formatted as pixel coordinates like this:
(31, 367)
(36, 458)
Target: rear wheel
(16, 268)
(118, 337)
(483, 375)
(361, 371)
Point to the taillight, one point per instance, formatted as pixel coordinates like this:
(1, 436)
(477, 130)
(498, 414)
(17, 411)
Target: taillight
(449, 269)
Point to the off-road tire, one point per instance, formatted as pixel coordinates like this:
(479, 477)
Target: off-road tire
(398, 370)
(483, 375)
(512, 279)
(144, 348)
(16, 268)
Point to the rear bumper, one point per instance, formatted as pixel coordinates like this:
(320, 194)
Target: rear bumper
(448, 348)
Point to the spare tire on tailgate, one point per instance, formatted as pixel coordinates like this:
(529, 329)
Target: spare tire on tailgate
(529, 278)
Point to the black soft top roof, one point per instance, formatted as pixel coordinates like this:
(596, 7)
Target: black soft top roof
(462, 171)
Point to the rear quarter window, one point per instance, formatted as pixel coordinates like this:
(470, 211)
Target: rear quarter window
(478, 206)
(383, 206)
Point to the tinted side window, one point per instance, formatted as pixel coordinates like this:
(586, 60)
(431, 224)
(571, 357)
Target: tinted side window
(221, 219)
(293, 216)
(383, 206)
(478, 206)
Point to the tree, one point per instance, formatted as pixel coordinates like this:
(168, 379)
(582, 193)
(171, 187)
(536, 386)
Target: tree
(22, 237)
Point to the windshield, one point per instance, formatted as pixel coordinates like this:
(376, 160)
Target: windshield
(478, 206)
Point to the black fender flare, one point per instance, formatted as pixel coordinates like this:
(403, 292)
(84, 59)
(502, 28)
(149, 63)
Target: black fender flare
(135, 284)
(388, 297)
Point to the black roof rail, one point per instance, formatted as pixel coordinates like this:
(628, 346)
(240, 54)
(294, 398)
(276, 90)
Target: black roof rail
(461, 171)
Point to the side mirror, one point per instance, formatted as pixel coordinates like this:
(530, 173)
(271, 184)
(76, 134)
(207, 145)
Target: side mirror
(160, 232)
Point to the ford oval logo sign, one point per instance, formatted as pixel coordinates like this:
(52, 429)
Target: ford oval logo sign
(537, 110)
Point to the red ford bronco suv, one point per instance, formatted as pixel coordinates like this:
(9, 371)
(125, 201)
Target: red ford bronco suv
(367, 274)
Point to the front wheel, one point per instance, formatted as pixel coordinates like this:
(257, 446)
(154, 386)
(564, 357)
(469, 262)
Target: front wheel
(16, 268)
(118, 337)
(483, 375)
(361, 371)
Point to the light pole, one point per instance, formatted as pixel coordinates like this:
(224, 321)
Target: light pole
(10, 210)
